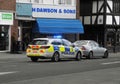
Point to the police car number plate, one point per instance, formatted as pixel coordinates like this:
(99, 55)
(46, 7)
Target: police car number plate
(35, 51)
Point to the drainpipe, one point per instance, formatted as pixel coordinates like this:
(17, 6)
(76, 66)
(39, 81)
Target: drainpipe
(104, 23)
(78, 16)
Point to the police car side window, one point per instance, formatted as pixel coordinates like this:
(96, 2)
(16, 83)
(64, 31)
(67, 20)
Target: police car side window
(56, 43)
(66, 42)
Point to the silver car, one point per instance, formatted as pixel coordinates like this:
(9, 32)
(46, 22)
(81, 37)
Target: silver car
(90, 48)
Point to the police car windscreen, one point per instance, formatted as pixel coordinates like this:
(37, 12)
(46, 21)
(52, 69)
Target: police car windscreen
(39, 42)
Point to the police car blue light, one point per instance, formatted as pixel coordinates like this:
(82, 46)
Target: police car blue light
(57, 36)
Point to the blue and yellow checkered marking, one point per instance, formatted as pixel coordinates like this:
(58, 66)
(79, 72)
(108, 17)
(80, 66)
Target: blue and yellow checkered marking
(56, 48)
(64, 50)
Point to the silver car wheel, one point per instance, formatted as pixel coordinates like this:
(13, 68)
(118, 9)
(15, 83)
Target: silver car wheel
(78, 56)
(105, 54)
(90, 56)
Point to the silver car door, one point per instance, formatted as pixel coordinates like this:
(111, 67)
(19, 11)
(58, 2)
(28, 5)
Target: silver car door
(99, 49)
(95, 48)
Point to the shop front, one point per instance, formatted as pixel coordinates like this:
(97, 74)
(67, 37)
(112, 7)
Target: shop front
(56, 20)
(44, 20)
(66, 28)
(6, 20)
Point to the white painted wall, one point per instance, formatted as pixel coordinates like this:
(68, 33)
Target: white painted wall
(51, 2)
(54, 11)
(48, 1)
(110, 3)
(23, 1)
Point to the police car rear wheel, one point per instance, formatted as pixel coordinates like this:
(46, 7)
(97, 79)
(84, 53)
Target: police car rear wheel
(34, 59)
(78, 56)
(55, 57)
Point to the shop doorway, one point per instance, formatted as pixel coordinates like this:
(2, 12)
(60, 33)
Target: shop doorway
(26, 37)
(4, 38)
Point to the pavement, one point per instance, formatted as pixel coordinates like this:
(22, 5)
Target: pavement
(5, 55)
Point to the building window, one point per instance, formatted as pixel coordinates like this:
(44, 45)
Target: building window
(116, 6)
(86, 8)
(36, 1)
(66, 2)
(23, 1)
(61, 1)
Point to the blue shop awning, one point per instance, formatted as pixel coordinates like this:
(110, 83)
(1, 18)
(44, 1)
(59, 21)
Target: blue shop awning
(58, 26)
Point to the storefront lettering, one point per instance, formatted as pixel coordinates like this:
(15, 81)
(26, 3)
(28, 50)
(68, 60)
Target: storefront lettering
(51, 10)
(69, 11)
(7, 16)
(45, 10)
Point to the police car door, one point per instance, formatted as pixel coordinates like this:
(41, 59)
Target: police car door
(68, 49)
(57, 44)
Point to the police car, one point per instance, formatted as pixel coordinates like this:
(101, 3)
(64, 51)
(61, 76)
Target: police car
(52, 48)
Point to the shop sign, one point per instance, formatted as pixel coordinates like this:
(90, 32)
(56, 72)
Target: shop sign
(6, 18)
(53, 11)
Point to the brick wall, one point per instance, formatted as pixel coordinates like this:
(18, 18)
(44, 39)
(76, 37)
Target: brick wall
(14, 29)
(77, 9)
(8, 5)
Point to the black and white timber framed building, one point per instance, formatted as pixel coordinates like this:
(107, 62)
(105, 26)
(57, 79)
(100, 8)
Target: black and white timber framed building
(101, 19)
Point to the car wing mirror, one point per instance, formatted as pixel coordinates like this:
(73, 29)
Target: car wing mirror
(72, 45)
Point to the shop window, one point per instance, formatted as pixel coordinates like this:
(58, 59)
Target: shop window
(61, 1)
(118, 40)
(23, 1)
(36, 1)
(65, 2)
(116, 6)
(111, 39)
(68, 2)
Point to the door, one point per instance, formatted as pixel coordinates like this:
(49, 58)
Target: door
(2, 41)
(69, 51)
(26, 37)
(95, 48)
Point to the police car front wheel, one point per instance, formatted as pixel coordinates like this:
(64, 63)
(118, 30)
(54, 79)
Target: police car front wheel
(56, 57)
